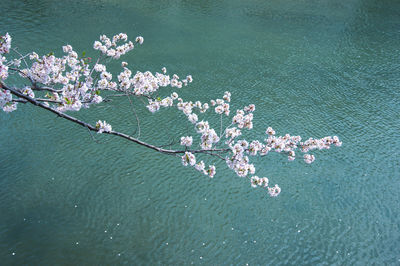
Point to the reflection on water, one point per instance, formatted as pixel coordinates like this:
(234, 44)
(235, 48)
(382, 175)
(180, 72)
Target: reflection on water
(312, 68)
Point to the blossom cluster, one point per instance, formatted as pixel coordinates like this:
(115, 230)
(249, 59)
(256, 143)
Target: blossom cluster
(232, 133)
(109, 47)
(72, 74)
(288, 144)
(3, 68)
(256, 181)
(283, 144)
(222, 107)
(208, 135)
(324, 143)
(69, 72)
(162, 80)
(6, 102)
(190, 159)
(274, 191)
(5, 46)
(244, 117)
(239, 162)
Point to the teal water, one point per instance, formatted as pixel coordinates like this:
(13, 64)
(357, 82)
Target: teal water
(312, 68)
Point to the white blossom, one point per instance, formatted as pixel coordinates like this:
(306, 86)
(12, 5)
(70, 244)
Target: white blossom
(274, 191)
(219, 109)
(256, 181)
(187, 141)
(106, 75)
(227, 96)
(29, 92)
(67, 48)
(204, 108)
(99, 68)
(193, 118)
(139, 39)
(200, 166)
(308, 158)
(232, 133)
(3, 70)
(211, 171)
(102, 126)
(270, 131)
(202, 126)
(188, 159)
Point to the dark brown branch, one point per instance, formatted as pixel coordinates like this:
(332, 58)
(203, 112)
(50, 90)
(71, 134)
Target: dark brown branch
(93, 128)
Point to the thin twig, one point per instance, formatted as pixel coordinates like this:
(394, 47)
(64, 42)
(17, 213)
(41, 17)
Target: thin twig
(220, 138)
(22, 56)
(25, 75)
(97, 61)
(93, 138)
(215, 154)
(220, 130)
(169, 144)
(137, 118)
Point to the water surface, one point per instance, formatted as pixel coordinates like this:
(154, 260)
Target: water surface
(312, 68)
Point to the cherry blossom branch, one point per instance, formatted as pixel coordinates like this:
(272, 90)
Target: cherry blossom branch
(79, 89)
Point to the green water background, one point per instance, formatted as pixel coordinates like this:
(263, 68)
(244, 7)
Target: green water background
(312, 68)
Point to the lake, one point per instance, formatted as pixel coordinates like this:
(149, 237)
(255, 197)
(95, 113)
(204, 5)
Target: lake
(312, 68)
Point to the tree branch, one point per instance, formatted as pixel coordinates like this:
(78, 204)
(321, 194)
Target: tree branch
(93, 128)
